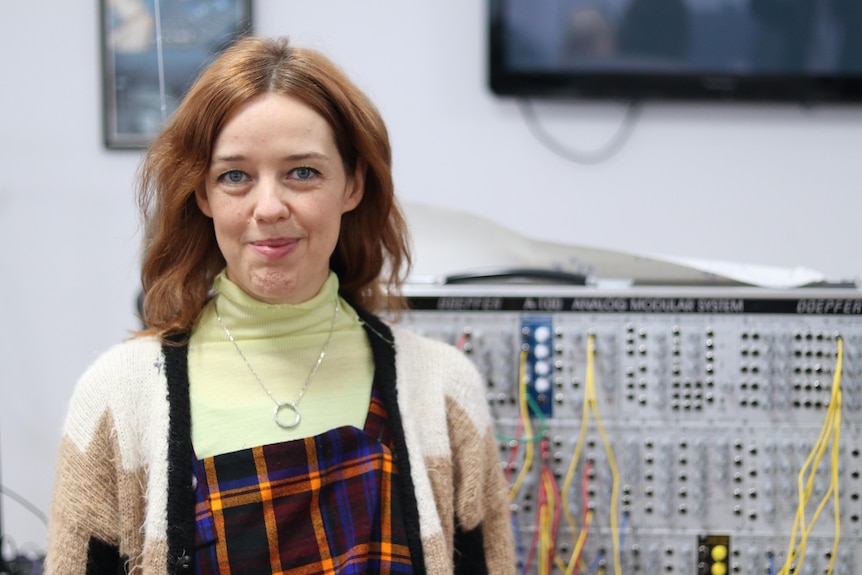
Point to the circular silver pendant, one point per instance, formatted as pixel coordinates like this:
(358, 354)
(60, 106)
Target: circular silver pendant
(276, 415)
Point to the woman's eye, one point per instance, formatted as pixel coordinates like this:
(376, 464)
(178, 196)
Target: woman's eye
(304, 173)
(233, 177)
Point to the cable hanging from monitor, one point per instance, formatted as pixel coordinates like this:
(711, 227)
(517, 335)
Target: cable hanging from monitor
(590, 157)
(26, 504)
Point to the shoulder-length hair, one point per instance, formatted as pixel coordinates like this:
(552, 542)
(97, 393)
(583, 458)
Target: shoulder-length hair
(180, 255)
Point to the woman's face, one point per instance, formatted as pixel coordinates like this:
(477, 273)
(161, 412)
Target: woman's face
(276, 189)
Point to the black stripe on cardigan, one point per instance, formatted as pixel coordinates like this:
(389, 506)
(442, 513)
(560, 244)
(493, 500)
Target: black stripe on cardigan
(470, 552)
(103, 559)
(383, 349)
(181, 496)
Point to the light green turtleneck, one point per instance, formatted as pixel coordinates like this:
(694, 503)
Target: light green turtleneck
(231, 411)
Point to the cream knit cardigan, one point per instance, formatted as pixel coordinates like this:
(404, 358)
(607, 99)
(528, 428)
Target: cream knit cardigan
(115, 479)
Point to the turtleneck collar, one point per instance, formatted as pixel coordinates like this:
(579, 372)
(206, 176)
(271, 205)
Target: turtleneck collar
(249, 318)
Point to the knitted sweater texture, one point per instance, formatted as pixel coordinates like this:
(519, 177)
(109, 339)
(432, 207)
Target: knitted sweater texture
(123, 495)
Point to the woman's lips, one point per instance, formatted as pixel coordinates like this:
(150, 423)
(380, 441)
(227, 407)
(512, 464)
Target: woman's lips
(275, 248)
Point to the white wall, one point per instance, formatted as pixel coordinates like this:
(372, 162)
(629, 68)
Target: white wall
(759, 184)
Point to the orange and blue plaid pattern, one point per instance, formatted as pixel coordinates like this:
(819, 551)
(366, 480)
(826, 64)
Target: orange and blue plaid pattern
(327, 504)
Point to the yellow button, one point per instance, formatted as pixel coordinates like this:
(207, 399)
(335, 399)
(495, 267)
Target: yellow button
(719, 568)
(719, 553)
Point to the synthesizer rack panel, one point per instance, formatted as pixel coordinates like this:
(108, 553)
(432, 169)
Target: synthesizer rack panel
(671, 428)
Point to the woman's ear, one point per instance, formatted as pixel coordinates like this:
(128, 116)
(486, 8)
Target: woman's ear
(355, 188)
(202, 201)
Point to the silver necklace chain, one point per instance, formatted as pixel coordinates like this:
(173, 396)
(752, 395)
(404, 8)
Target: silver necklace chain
(293, 406)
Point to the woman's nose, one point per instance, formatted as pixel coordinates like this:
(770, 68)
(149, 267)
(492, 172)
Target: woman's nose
(270, 201)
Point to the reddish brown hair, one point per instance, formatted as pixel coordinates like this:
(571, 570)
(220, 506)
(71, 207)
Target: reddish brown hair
(181, 257)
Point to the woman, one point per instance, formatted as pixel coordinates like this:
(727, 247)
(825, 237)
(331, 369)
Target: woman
(266, 421)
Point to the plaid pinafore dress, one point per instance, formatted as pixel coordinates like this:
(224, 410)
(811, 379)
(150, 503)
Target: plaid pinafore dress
(323, 504)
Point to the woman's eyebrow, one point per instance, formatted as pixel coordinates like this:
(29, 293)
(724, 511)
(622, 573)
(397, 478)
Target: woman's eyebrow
(290, 157)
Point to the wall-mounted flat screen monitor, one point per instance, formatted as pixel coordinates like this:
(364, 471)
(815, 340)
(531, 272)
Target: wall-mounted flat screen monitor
(805, 51)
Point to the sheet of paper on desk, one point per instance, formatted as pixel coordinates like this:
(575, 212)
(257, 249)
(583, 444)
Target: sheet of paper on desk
(448, 242)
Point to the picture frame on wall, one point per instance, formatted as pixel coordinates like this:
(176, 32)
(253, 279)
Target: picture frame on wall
(152, 51)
